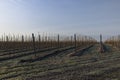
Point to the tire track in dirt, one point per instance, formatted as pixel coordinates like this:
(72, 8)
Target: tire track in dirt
(105, 64)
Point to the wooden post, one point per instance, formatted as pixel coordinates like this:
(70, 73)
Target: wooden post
(58, 41)
(71, 40)
(2, 42)
(7, 39)
(33, 37)
(101, 39)
(75, 42)
(22, 39)
(46, 45)
(22, 45)
(39, 41)
(101, 45)
(7, 45)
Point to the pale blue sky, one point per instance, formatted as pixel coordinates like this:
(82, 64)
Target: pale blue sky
(89, 17)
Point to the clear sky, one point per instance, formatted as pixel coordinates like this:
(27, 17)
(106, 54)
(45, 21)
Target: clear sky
(89, 17)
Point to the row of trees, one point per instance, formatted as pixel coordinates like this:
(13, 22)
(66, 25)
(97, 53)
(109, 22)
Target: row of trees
(114, 41)
(8, 42)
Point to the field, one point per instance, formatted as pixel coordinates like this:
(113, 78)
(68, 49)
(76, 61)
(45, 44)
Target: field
(71, 58)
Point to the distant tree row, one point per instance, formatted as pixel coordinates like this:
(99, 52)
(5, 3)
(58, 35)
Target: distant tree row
(39, 41)
(114, 41)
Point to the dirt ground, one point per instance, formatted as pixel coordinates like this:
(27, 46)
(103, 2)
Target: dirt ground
(91, 65)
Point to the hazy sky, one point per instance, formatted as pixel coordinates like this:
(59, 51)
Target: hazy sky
(68, 16)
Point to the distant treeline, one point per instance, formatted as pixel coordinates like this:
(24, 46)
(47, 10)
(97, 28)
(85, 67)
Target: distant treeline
(38, 41)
